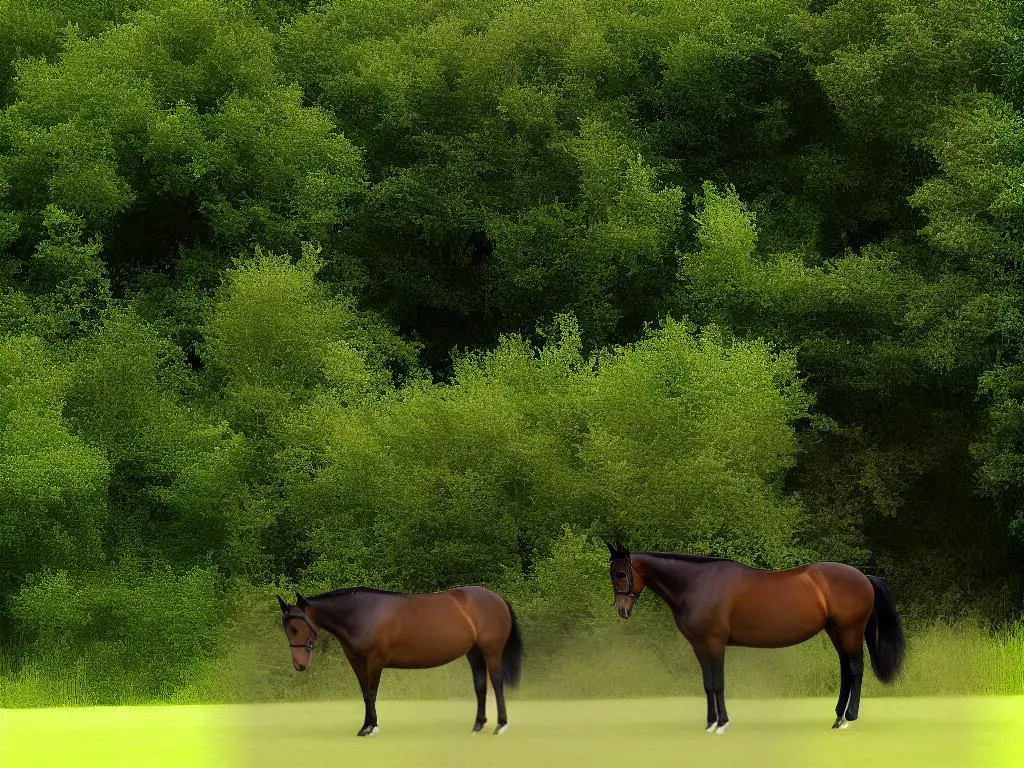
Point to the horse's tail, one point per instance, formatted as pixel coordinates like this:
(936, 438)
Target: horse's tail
(512, 656)
(884, 635)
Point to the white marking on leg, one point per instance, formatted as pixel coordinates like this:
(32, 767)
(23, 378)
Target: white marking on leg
(710, 728)
(721, 729)
(501, 729)
(373, 731)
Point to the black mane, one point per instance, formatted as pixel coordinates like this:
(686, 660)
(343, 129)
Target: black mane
(687, 558)
(348, 591)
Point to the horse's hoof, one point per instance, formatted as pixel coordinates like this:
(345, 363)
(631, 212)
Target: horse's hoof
(501, 729)
(711, 727)
(721, 729)
(369, 731)
(477, 727)
(840, 723)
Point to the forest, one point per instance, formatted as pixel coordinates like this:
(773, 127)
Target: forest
(300, 294)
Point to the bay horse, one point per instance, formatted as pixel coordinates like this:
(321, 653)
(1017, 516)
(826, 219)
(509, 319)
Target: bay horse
(379, 630)
(718, 602)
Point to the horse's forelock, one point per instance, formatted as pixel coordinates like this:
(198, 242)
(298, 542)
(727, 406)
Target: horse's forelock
(617, 551)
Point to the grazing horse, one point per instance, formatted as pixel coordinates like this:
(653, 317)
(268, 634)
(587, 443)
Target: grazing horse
(380, 629)
(719, 602)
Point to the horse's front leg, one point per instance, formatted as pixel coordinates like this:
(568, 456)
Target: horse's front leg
(718, 673)
(373, 670)
(711, 656)
(709, 688)
(360, 666)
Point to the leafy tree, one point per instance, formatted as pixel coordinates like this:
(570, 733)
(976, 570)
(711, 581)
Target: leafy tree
(173, 129)
(52, 484)
(456, 482)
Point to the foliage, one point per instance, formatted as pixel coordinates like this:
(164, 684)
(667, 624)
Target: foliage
(52, 483)
(155, 622)
(453, 483)
(414, 294)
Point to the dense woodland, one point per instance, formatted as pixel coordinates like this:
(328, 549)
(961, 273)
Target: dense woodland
(417, 293)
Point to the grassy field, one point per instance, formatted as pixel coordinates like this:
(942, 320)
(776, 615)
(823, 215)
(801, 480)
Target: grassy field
(926, 732)
(642, 658)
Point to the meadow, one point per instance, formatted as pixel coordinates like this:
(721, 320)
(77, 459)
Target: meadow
(909, 732)
(642, 658)
(627, 691)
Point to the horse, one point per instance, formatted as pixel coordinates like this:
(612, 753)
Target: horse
(379, 630)
(718, 602)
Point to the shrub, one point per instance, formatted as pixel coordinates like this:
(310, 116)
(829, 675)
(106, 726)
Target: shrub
(148, 625)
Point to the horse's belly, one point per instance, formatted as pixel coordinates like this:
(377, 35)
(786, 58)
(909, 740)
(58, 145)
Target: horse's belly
(776, 628)
(763, 638)
(421, 661)
(428, 645)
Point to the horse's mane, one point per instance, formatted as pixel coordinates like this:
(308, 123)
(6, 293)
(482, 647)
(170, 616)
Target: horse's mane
(348, 591)
(686, 558)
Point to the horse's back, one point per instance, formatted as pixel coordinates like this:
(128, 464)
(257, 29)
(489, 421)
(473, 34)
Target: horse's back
(779, 608)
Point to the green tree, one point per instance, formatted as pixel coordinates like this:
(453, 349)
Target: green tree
(53, 485)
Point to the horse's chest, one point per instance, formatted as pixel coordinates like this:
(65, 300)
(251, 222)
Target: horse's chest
(696, 625)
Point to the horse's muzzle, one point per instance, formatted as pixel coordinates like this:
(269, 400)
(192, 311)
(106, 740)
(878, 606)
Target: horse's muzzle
(625, 613)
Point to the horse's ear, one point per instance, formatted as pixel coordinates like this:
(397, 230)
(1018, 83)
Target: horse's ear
(611, 548)
(300, 601)
(282, 603)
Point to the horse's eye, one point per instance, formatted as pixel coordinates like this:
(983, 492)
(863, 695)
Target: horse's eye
(620, 575)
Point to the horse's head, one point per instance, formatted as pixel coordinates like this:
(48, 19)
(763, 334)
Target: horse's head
(626, 582)
(300, 629)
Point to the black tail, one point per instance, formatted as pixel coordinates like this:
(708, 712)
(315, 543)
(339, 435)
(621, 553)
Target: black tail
(884, 636)
(512, 657)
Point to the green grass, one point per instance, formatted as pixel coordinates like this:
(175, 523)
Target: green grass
(921, 732)
(643, 658)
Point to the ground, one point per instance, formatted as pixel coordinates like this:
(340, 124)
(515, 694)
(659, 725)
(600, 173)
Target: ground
(644, 733)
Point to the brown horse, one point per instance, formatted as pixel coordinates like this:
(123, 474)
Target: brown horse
(380, 629)
(719, 602)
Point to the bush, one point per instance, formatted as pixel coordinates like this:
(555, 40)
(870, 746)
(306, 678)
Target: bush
(680, 439)
(129, 632)
(569, 590)
(52, 483)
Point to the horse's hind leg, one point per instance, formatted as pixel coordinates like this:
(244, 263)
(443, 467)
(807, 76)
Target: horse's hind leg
(855, 651)
(845, 676)
(479, 667)
(494, 661)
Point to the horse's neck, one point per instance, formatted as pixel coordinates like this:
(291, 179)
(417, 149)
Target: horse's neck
(668, 578)
(340, 616)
